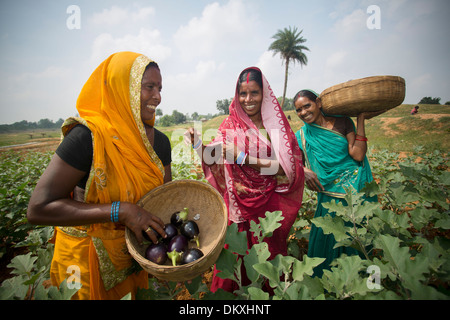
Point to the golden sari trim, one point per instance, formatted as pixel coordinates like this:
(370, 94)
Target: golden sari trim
(136, 73)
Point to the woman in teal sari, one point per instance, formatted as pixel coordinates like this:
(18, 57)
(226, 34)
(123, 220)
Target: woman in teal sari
(335, 157)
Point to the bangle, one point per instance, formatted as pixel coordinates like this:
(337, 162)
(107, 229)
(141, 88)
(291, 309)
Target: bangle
(361, 138)
(115, 211)
(241, 158)
(199, 143)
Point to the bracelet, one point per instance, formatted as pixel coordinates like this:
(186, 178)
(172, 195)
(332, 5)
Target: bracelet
(240, 160)
(199, 143)
(115, 211)
(361, 138)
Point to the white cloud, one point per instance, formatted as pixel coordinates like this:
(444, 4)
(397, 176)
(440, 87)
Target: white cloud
(219, 28)
(336, 59)
(351, 25)
(197, 90)
(147, 42)
(117, 15)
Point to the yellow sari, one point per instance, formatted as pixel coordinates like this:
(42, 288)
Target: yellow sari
(124, 168)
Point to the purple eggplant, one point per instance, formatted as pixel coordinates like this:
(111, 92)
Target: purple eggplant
(190, 230)
(179, 217)
(156, 253)
(191, 255)
(171, 232)
(176, 247)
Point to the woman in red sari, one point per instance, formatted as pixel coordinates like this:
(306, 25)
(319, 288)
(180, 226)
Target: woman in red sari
(259, 169)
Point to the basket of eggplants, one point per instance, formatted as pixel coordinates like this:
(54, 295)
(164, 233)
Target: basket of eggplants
(196, 220)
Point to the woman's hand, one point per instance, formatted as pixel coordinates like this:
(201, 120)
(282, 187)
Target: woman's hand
(370, 114)
(139, 220)
(229, 152)
(312, 181)
(192, 137)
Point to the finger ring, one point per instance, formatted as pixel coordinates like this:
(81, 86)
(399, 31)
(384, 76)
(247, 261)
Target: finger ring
(149, 229)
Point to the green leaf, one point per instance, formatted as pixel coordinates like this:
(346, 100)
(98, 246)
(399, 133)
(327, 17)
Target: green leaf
(333, 226)
(195, 285)
(13, 288)
(258, 253)
(64, 292)
(443, 223)
(398, 257)
(283, 263)
(269, 271)
(237, 241)
(127, 296)
(270, 223)
(22, 264)
(305, 267)
(344, 278)
(227, 263)
(257, 294)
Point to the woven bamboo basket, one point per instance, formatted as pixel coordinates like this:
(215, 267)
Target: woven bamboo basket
(363, 95)
(200, 198)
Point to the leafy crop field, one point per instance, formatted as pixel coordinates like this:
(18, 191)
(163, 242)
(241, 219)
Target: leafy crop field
(404, 239)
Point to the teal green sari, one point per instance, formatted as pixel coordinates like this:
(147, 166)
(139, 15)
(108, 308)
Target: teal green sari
(326, 154)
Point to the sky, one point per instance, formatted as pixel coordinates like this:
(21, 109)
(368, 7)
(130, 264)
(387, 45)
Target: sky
(48, 49)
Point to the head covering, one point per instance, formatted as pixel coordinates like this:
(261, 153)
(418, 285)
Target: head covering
(247, 192)
(125, 166)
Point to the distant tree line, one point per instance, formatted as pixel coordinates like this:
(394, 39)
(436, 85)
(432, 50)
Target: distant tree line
(430, 100)
(26, 125)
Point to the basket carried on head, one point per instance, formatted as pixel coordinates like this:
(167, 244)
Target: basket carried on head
(200, 198)
(363, 95)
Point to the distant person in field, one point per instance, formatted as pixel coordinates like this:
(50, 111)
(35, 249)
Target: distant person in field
(334, 151)
(110, 157)
(260, 168)
(415, 110)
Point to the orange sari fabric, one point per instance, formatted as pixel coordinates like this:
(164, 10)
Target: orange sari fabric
(124, 168)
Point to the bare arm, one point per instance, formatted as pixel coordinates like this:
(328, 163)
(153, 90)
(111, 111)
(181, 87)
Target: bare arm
(357, 143)
(168, 173)
(268, 166)
(50, 204)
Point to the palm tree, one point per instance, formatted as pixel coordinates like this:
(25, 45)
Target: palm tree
(288, 43)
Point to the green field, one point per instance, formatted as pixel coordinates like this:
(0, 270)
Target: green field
(396, 130)
(407, 229)
(21, 137)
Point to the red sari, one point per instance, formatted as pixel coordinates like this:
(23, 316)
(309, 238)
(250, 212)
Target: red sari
(250, 193)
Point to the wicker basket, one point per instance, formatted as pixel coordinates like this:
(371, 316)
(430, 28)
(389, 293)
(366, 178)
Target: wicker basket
(200, 198)
(363, 95)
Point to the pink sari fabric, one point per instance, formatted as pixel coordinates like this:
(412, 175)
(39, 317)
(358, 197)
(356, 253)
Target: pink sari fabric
(250, 193)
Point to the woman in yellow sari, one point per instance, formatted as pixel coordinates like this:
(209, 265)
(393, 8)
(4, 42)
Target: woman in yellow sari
(91, 195)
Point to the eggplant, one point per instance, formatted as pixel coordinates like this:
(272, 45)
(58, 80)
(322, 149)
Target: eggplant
(191, 255)
(156, 253)
(179, 217)
(176, 247)
(190, 230)
(171, 232)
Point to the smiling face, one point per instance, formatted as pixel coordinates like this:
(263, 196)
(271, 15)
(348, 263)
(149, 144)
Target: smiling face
(308, 110)
(151, 87)
(250, 98)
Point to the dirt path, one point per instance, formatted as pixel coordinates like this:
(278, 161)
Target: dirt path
(389, 121)
(38, 146)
